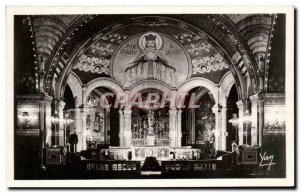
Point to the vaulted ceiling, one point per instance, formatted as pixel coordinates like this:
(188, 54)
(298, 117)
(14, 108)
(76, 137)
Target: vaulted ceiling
(242, 41)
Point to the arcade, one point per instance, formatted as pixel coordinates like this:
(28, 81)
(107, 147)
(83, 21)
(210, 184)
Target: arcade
(139, 96)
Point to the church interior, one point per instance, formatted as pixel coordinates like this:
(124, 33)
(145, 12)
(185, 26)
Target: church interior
(149, 96)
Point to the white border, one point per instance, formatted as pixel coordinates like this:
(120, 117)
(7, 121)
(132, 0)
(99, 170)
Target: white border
(23, 10)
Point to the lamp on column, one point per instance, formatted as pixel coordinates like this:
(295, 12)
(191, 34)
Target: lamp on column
(66, 122)
(235, 123)
(247, 121)
(55, 121)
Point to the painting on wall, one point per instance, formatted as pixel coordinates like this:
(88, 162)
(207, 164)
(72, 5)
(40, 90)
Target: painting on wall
(205, 121)
(150, 56)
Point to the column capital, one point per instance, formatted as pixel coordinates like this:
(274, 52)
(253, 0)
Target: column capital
(46, 97)
(254, 97)
(83, 110)
(61, 104)
(84, 87)
(216, 109)
(127, 111)
(172, 111)
(243, 104)
(240, 103)
(224, 108)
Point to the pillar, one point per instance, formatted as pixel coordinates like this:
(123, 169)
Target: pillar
(241, 124)
(45, 123)
(244, 128)
(121, 132)
(172, 127)
(77, 122)
(127, 127)
(218, 129)
(247, 125)
(82, 133)
(260, 120)
(224, 128)
(48, 131)
(55, 124)
(192, 125)
(179, 129)
(61, 126)
(84, 96)
(107, 125)
(254, 119)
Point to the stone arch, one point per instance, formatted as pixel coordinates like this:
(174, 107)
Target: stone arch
(231, 42)
(226, 84)
(149, 84)
(189, 84)
(102, 82)
(99, 93)
(75, 85)
(200, 94)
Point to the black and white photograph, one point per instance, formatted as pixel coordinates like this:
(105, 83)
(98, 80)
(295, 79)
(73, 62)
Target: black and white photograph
(191, 98)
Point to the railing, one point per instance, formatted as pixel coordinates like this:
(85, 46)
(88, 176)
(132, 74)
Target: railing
(111, 166)
(144, 142)
(204, 166)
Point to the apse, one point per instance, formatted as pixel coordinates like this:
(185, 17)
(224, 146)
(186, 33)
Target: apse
(148, 96)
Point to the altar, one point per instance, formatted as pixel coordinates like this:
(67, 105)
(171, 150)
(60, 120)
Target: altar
(160, 152)
(139, 153)
(150, 127)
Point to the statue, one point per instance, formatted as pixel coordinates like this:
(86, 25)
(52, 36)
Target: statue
(150, 64)
(151, 123)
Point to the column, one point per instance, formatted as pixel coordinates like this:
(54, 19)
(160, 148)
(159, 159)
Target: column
(48, 131)
(77, 129)
(127, 127)
(44, 109)
(224, 128)
(82, 134)
(121, 123)
(107, 125)
(172, 127)
(179, 130)
(241, 124)
(55, 124)
(244, 127)
(61, 128)
(84, 96)
(247, 125)
(82, 120)
(217, 113)
(254, 119)
(260, 120)
(192, 126)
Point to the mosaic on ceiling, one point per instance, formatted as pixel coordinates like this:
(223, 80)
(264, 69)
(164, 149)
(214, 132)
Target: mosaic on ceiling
(179, 55)
(205, 58)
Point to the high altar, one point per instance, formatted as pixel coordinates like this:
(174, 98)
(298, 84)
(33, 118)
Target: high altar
(150, 137)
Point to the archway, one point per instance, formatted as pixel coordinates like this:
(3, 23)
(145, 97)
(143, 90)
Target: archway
(150, 119)
(238, 57)
(102, 82)
(232, 113)
(198, 119)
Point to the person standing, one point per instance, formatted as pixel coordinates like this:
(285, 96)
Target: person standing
(234, 146)
(73, 140)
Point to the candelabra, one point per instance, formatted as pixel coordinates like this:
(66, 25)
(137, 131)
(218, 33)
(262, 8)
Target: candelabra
(247, 121)
(66, 121)
(235, 123)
